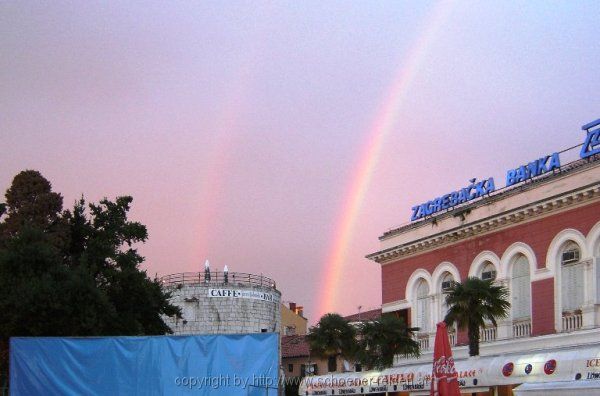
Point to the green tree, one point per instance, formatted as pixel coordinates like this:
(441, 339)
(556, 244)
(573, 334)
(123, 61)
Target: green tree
(471, 303)
(103, 244)
(382, 339)
(331, 337)
(73, 273)
(40, 296)
(30, 202)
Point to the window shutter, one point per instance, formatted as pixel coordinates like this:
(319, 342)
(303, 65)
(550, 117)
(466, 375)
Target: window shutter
(445, 307)
(423, 306)
(567, 288)
(420, 314)
(572, 287)
(580, 285)
(446, 284)
(426, 314)
(521, 289)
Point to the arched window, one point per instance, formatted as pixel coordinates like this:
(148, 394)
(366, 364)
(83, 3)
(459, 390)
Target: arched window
(488, 272)
(571, 277)
(423, 312)
(521, 289)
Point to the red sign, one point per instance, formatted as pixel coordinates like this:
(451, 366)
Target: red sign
(444, 379)
(508, 368)
(550, 366)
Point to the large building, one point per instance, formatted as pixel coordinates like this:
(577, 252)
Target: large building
(539, 235)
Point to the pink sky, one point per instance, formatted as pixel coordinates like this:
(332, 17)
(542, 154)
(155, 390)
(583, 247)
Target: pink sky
(239, 127)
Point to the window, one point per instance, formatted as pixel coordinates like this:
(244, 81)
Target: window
(308, 369)
(571, 278)
(189, 312)
(520, 289)
(446, 285)
(488, 272)
(332, 364)
(446, 281)
(290, 368)
(289, 330)
(571, 254)
(423, 314)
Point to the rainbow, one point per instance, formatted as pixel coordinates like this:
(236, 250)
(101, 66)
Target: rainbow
(212, 188)
(361, 177)
(218, 158)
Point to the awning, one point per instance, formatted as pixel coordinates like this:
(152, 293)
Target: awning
(550, 366)
(464, 391)
(578, 388)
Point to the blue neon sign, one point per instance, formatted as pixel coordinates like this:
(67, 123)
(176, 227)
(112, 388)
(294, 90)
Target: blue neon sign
(591, 146)
(535, 168)
(474, 190)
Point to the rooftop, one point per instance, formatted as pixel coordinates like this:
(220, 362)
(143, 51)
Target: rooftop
(364, 316)
(217, 278)
(294, 346)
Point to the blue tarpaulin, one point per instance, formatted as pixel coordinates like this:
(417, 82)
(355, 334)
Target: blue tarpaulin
(163, 365)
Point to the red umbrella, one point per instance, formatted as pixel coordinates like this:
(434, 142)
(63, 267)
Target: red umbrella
(444, 379)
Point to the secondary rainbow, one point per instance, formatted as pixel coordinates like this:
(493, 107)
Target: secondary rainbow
(361, 179)
(212, 182)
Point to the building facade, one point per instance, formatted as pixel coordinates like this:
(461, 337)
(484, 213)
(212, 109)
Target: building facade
(540, 237)
(541, 240)
(293, 321)
(297, 360)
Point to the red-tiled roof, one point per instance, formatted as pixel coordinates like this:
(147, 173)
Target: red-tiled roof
(364, 316)
(294, 346)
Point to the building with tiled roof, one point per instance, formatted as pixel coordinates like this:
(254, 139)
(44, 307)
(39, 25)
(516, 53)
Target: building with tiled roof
(297, 361)
(294, 346)
(364, 316)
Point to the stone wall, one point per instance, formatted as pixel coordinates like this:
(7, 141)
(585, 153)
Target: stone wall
(204, 313)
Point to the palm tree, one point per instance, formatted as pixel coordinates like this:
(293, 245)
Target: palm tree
(382, 339)
(332, 336)
(473, 302)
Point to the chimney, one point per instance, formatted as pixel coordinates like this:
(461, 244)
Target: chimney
(300, 311)
(293, 307)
